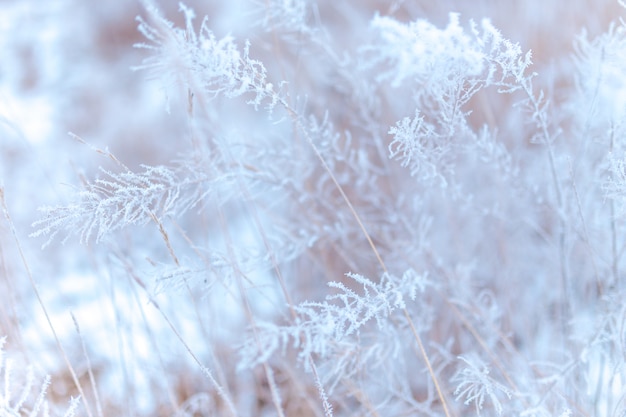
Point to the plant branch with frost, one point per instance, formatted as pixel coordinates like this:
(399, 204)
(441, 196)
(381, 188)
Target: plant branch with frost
(475, 384)
(445, 68)
(322, 327)
(129, 198)
(200, 61)
(16, 397)
(449, 64)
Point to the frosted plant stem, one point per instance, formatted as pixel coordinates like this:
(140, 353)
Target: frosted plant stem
(248, 311)
(565, 281)
(614, 254)
(5, 211)
(165, 237)
(257, 221)
(336, 183)
(483, 344)
(615, 260)
(216, 364)
(427, 361)
(122, 353)
(539, 115)
(267, 369)
(592, 254)
(221, 391)
(376, 253)
(92, 379)
(155, 345)
(328, 408)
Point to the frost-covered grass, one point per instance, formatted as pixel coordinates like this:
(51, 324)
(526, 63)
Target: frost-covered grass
(313, 208)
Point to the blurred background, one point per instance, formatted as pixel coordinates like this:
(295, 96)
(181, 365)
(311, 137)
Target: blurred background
(66, 67)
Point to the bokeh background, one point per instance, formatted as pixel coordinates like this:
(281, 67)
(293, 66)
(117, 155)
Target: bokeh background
(66, 68)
